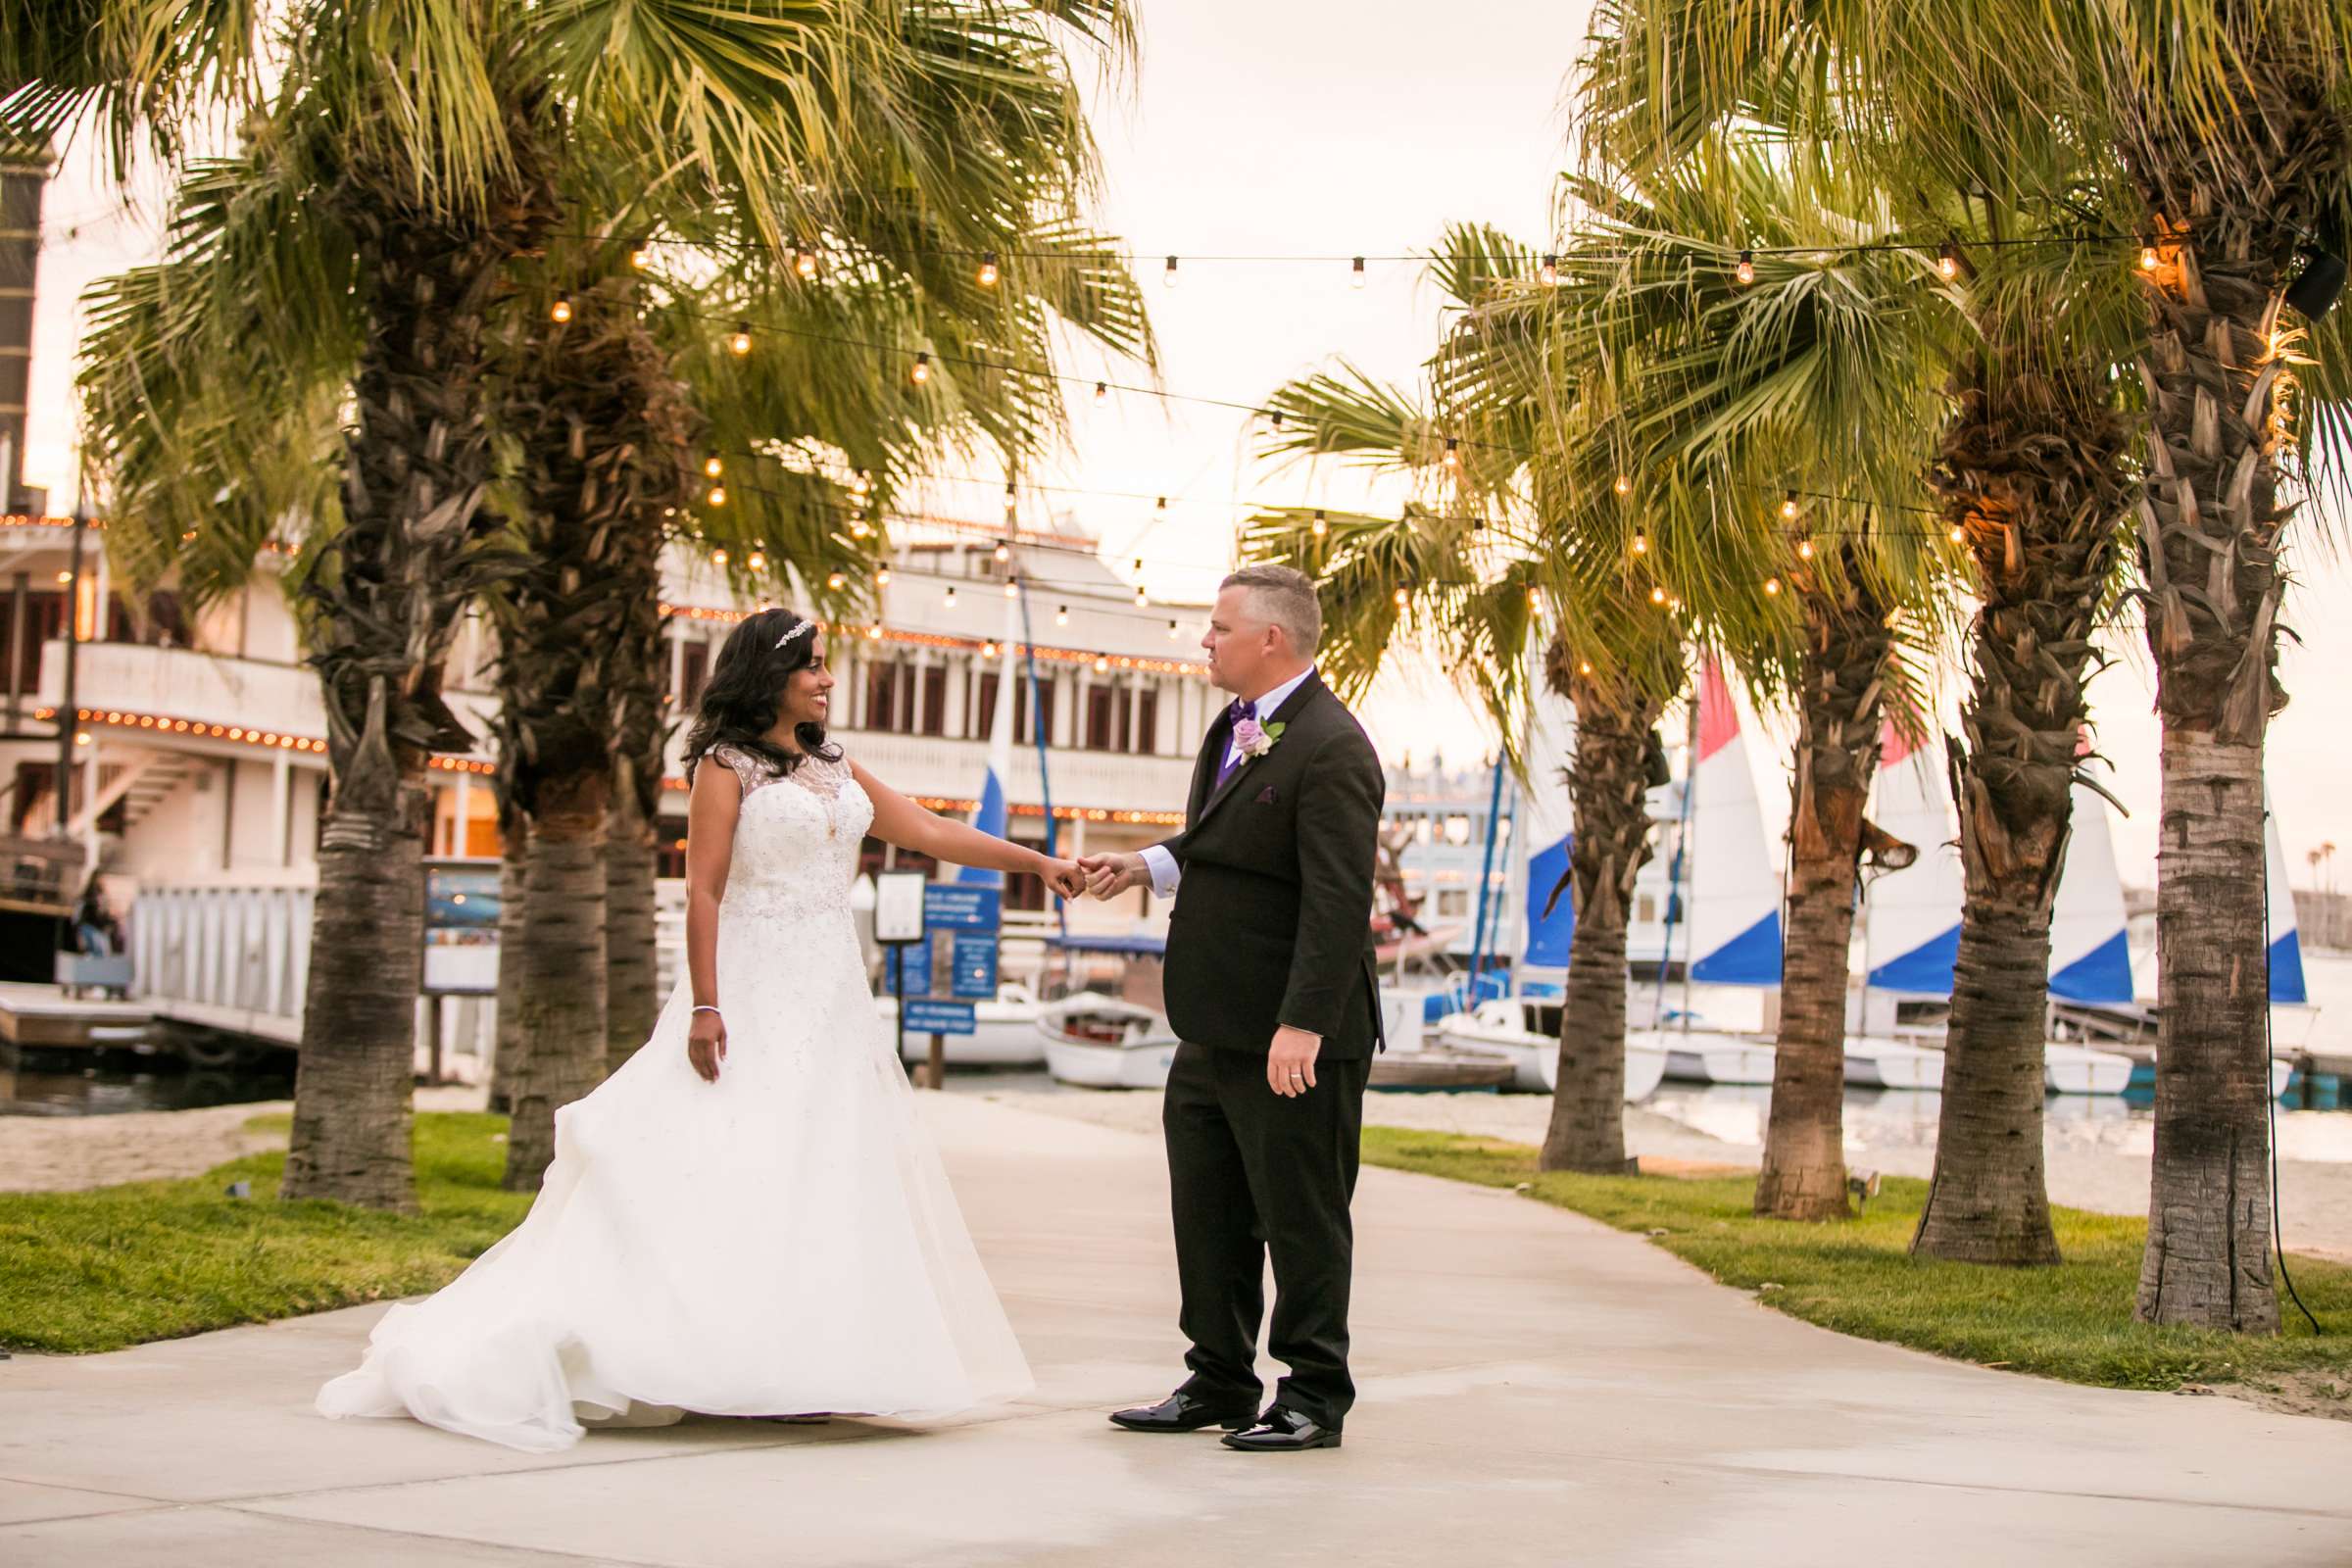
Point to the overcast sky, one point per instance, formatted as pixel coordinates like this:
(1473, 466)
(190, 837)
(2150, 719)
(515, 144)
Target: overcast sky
(1320, 128)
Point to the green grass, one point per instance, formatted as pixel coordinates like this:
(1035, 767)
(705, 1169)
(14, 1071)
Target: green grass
(151, 1260)
(2073, 1321)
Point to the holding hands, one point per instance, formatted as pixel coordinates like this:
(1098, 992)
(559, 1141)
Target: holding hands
(1065, 878)
(1110, 875)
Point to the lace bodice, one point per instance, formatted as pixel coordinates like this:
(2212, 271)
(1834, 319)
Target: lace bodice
(797, 837)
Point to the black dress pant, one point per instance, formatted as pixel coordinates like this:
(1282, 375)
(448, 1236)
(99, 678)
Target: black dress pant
(1251, 1173)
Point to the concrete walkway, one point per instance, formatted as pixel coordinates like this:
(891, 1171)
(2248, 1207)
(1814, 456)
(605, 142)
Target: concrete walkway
(1537, 1390)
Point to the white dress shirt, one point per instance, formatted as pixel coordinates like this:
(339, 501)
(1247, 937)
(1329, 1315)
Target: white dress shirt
(1165, 872)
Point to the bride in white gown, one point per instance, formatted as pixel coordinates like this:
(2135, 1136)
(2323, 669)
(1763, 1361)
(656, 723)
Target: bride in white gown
(746, 1219)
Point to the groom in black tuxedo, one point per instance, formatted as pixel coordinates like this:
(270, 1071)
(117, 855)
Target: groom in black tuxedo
(1271, 987)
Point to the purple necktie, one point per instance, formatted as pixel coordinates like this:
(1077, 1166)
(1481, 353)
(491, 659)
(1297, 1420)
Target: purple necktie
(1234, 716)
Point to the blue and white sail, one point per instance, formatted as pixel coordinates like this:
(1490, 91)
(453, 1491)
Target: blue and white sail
(2090, 960)
(1545, 819)
(2286, 944)
(1911, 919)
(1734, 899)
(992, 815)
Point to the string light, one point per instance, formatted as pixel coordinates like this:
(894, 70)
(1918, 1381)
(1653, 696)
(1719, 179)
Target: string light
(1012, 588)
(1623, 485)
(641, 258)
(1549, 273)
(1322, 525)
(1355, 273)
(873, 634)
(1061, 616)
(1584, 666)
(988, 270)
(1772, 585)
(758, 562)
(1012, 503)
(1101, 665)
(950, 599)
(1454, 452)
(1167, 277)
(1641, 544)
(1788, 506)
(719, 558)
(718, 495)
(2147, 258)
(988, 649)
(803, 261)
(1804, 550)
(1140, 599)
(922, 369)
(559, 312)
(1004, 553)
(1173, 631)
(740, 340)
(1746, 271)
(1403, 598)
(1959, 534)
(1658, 596)
(1947, 261)
(713, 466)
(1101, 393)
(882, 577)
(860, 484)
(837, 582)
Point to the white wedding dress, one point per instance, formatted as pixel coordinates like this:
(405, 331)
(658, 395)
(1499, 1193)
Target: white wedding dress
(781, 1242)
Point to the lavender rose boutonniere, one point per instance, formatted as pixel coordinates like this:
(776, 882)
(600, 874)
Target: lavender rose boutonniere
(1253, 739)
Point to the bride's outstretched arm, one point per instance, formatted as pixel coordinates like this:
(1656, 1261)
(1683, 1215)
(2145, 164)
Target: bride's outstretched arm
(711, 812)
(899, 820)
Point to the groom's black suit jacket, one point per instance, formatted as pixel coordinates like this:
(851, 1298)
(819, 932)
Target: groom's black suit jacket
(1272, 924)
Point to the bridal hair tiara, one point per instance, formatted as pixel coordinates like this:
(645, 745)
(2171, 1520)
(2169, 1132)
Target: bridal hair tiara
(802, 630)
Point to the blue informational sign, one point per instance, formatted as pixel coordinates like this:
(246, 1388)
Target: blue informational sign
(939, 1017)
(975, 966)
(962, 908)
(918, 957)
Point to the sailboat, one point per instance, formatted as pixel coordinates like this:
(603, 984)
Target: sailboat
(1723, 881)
(1912, 916)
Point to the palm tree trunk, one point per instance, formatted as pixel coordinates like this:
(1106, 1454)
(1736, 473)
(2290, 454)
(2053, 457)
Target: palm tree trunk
(507, 1050)
(2032, 473)
(561, 983)
(632, 988)
(1848, 662)
(380, 601)
(1610, 786)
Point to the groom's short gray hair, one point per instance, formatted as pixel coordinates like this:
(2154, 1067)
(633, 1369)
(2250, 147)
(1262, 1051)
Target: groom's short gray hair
(1285, 598)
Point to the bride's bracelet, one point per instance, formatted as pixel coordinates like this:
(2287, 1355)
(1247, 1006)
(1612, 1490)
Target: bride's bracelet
(712, 1010)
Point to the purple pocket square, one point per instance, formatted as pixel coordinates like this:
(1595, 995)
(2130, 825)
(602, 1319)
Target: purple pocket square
(1266, 797)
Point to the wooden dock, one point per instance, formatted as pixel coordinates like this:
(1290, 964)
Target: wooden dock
(37, 1015)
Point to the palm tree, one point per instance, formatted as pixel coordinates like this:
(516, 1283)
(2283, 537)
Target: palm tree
(356, 247)
(2032, 477)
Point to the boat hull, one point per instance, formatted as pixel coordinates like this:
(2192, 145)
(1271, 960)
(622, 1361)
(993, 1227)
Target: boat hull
(1892, 1064)
(1711, 1056)
(1536, 1059)
(2079, 1071)
(1090, 1065)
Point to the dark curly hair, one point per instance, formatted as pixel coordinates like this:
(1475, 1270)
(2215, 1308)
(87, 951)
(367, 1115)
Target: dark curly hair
(747, 689)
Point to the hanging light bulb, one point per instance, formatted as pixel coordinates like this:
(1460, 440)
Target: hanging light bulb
(1003, 554)
(719, 558)
(803, 261)
(882, 577)
(559, 312)
(1012, 503)
(1275, 419)
(873, 633)
(1772, 585)
(757, 560)
(1403, 598)
(1584, 666)
(1959, 534)
(1173, 631)
(1623, 485)
(1355, 273)
(713, 468)
(988, 649)
(950, 598)
(836, 582)
(1746, 271)
(1804, 550)
(1141, 598)
(1641, 544)
(988, 270)
(1101, 393)
(1549, 273)
(1658, 596)
(1454, 452)
(1788, 506)
(860, 484)
(1012, 588)
(718, 495)
(641, 258)
(1101, 665)
(1168, 277)
(740, 340)
(922, 369)
(858, 530)
(1322, 524)
(1061, 616)
(1947, 261)
(2147, 258)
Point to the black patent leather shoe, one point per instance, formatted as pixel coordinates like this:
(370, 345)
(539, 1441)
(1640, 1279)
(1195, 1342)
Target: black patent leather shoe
(1181, 1412)
(1283, 1430)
